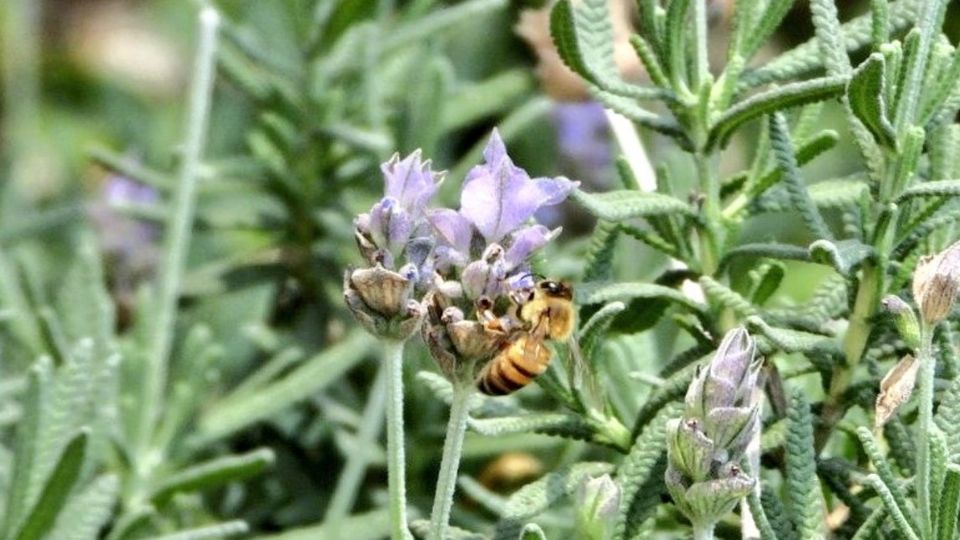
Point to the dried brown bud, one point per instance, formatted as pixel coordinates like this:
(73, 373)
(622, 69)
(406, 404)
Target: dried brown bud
(936, 281)
(380, 300)
(457, 344)
(895, 389)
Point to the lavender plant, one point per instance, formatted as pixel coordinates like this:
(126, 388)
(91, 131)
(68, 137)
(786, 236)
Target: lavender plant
(778, 281)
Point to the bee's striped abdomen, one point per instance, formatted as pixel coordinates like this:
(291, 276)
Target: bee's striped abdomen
(512, 369)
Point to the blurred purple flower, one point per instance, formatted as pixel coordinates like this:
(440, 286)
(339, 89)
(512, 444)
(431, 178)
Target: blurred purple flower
(583, 138)
(129, 240)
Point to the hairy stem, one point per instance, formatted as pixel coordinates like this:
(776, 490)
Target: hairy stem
(854, 343)
(924, 425)
(368, 432)
(710, 233)
(177, 241)
(703, 531)
(452, 448)
(393, 367)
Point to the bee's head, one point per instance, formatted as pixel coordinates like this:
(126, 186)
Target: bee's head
(556, 289)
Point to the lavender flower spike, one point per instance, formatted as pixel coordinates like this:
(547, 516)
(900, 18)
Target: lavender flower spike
(705, 446)
(397, 242)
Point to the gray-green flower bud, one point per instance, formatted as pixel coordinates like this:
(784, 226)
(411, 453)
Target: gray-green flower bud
(598, 500)
(905, 318)
(706, 446)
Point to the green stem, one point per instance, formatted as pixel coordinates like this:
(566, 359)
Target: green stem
(177, 241)
(710, 232)
(703, 531)
(396, 477)
(452, 448)
(368, 432)
(924, 425)
(854, 343)
(701, 70)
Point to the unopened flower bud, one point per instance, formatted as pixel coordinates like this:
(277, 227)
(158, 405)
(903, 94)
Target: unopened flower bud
(905, 319)
(457, 344)
(598, 500)
(706, 445)
(936, 281)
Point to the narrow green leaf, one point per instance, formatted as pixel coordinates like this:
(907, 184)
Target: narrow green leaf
(793, 341)
(594, 330)
(535, 497)
(784, 97)
(845, 256)
(372, 525)
(774, 251)
(88, 512)
(806, 58)
(599, 255)
(937, 188)
(25, 448)
(673, 389)
(950, 504)
(226, 529)
(212, 474)
(565, 425)
(421, 528)
(760, 518)
(55, 491)
(768, 280)
(938, 474)
(871, 527)
(640, 476)
(838, 193)
(230, 415)
(773, 15)
(880, 22)
(589, 294)
(719, 295)
(484, 99)
(799, 196)
(802, 487)
(866, 95)
(675, 46)
(830, 37)
(631, 109)
(897, 499)
(441, 20)
(899, 518)
(948, 418)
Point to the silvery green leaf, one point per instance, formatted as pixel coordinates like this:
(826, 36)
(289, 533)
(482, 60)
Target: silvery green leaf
(784, 153)
(593, 331)
(230, 415)
(213, 473)
(802, 487)
(950, 503)
(535, 497)
(532, 531)
(937, 188)
(226, 529)
(791, 341)
(53, 493)
(784, 97)
(88, 511)
(866, 95)
(843, 255)
(886, 477)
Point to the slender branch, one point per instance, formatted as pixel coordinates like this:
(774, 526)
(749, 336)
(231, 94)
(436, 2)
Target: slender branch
(177, 241)
(924, 425)
(368, 432)
(452, 448)
(393, 362)
(703, 531)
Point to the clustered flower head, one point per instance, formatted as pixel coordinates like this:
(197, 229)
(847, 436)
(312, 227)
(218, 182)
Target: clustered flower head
(462, 263)
(396, 241)
(706, 447)
(483, 252)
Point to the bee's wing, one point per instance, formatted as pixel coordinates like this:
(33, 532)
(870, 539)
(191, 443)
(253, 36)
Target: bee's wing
(536, 339)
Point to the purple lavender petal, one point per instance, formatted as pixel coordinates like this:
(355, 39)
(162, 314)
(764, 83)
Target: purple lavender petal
(390, 225)
(498, 196)
(527, 240)
(453, 230)
(410, 181)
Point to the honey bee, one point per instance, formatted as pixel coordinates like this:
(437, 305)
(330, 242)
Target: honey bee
(545, 311)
